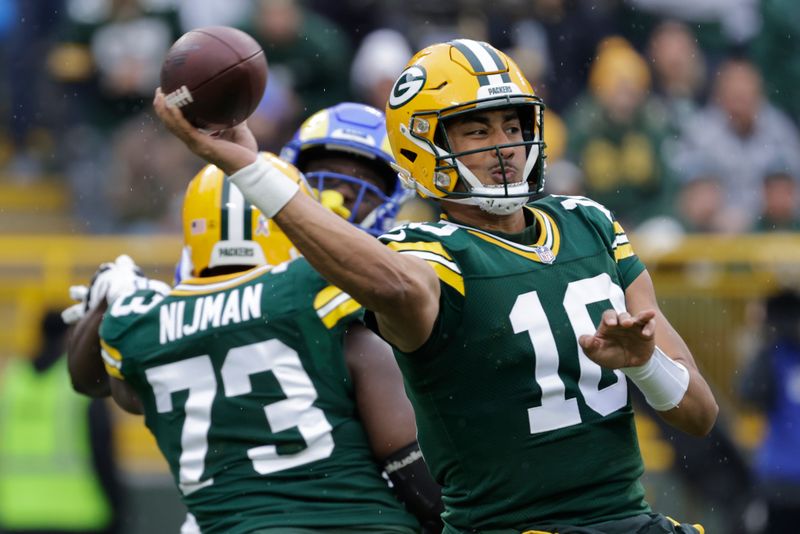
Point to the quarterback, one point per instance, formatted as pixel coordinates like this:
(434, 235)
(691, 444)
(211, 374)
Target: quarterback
(275, 408)
(518, 324)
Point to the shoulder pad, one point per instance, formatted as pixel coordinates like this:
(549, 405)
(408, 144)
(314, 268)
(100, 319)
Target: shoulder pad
(599, 217)
(583, 206)
(439, 244)
(415, 231)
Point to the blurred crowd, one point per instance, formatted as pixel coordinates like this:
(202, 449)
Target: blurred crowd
(678, 115)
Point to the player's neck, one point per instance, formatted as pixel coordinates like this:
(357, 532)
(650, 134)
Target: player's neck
(474, 216)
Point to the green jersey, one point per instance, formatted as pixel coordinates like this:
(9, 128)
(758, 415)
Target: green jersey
(515, 422)
(245, 388)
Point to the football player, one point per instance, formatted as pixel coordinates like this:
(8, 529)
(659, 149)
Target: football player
(269, 399)
(516, 323)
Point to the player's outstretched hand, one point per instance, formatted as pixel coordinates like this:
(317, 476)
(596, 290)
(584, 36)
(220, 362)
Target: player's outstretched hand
(230, 150)
(621, 339)
(75, 313)
(115, 279)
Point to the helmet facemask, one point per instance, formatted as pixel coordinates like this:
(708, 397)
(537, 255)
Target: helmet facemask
(377, 221)
(458, 183)
(443, 82)
(355, 131)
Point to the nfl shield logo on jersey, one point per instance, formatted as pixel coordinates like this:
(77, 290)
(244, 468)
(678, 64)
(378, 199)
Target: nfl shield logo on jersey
(545, 254)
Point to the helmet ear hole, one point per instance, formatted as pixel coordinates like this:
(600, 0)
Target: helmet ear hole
(408, 154)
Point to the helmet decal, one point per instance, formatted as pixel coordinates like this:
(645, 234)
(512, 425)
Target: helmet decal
(410, 82)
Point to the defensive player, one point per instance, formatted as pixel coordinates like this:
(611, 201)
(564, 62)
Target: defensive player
(267, 397)
(514, 323)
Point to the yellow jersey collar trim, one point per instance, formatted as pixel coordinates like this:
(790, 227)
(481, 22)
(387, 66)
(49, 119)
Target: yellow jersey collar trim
(210, 284)
(544, 250)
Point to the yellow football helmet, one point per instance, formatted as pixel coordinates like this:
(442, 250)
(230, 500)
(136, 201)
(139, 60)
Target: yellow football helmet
(447, 80)
(220, 228)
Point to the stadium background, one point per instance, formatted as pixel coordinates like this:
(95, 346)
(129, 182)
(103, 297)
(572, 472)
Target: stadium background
(87, 174)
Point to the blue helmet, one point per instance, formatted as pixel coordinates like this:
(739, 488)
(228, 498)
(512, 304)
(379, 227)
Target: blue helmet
(360, 131)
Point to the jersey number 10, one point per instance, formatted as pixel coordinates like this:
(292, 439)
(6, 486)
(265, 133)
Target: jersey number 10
(527, 315)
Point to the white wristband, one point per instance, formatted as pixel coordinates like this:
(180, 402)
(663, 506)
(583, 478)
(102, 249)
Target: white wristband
(662, 380)
(265, 186)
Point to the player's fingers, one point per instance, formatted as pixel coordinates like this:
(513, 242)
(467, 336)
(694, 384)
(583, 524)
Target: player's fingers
(159, 103)
(166, 117)
(610, 318)
(125, 261)
(646, 315)
(643, 317)
(78, 292)
(587, 343)
(176, 116)
(101, 269)
(73, 314)
(649, 329)
(624, 319)
(171, 115)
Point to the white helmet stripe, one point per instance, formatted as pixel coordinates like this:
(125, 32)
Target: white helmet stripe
(488, 64)
(235, 214)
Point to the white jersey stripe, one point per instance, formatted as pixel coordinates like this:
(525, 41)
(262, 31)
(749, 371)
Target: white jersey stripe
(109, 360)
(621, 239)
(332, 304)
(548, 242)
(430, 256)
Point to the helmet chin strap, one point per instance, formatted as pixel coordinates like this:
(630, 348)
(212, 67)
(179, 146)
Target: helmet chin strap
(497, 205)
(505, 205)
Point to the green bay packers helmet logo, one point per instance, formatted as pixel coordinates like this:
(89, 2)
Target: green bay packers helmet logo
(407, 86)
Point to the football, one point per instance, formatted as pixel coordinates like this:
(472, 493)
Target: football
(216, 75)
